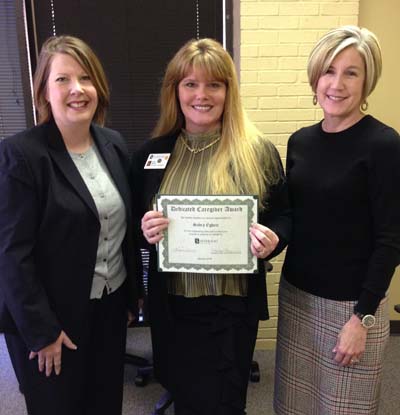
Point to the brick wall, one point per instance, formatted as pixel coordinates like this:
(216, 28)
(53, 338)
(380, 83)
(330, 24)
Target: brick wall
(275, 40)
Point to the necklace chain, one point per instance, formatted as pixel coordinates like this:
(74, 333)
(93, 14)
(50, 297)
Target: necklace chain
(198, 150)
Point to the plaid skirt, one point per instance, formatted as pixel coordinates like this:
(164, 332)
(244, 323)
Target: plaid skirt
(307, 379)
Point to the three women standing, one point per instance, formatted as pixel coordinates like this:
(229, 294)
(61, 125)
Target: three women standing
(66, 260)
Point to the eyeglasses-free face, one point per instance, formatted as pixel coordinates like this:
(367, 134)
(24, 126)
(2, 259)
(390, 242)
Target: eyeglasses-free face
(70, 93)
(340, 89)
(202, 101)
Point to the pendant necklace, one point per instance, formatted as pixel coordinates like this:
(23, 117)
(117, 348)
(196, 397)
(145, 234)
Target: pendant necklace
(198, 150)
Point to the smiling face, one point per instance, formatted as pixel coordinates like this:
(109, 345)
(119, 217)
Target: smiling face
(70, 93)
(340, 90)
(202, 101)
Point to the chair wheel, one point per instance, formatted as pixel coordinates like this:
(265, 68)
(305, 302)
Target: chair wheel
(254, 372)
(141, 380)
(163, 404)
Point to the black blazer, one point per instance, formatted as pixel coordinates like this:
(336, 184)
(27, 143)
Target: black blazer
(145, 184)
(49, 230)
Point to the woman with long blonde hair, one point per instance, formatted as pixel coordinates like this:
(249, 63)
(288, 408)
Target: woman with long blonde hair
(204, 326)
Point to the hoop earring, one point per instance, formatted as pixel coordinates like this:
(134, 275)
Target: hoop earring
(314, 99)
(364, 106)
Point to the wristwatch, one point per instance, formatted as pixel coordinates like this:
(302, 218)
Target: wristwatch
(367, 320)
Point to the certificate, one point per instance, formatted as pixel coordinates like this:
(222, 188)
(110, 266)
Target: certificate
(207, 234)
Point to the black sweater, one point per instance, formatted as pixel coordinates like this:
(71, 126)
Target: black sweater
(345, 194)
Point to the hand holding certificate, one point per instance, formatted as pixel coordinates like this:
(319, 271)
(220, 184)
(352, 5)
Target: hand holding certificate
(207, 234)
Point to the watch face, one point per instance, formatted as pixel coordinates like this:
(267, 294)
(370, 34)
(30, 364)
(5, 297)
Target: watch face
(368, 321)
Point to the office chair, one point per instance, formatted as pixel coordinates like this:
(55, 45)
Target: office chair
(255, 368)
(144, 366)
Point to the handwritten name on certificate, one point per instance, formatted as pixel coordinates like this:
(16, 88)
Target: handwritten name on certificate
(207, 234)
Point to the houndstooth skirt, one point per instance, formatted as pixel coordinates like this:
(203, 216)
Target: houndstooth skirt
(307, 380)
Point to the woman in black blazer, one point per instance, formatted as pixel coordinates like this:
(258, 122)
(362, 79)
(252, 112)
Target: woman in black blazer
(204, 326)
(67, 273)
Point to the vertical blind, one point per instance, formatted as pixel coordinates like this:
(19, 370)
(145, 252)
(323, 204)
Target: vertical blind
(134, 40)
(12, 105)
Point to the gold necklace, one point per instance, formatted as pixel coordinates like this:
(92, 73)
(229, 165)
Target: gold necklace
(198, 150)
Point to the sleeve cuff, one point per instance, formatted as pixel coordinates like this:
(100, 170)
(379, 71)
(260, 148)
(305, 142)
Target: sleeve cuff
(367, 303)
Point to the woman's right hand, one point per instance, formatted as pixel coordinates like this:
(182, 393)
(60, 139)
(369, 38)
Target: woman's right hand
(49, 357)
(350, 343)
(153, 224)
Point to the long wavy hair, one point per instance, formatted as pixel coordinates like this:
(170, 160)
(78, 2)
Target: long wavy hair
(245, 162)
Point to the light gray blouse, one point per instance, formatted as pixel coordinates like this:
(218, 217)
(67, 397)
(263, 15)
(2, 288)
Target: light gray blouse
(110, 272)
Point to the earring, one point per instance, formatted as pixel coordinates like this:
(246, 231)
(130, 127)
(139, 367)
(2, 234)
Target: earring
(314, 99)
(364, 106)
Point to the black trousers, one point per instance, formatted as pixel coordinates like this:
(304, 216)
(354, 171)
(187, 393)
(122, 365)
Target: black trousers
(214, 340)
(91, 379)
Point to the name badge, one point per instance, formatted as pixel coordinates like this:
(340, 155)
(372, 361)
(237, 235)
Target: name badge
(157, 161)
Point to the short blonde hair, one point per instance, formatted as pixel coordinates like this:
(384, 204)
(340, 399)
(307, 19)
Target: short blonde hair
(334, 42)
(84, 55)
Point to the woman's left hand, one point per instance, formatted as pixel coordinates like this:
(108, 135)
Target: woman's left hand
(350, 343)
(263, 240)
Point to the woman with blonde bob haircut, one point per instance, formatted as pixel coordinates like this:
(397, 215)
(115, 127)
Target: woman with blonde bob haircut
(334, 42)
(204, 326)
(343, 175)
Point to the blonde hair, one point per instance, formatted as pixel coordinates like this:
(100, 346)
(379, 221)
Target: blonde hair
(244, 162)
(84, 55)
(334, 42)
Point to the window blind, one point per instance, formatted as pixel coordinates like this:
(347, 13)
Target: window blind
(12, 105)
(134, 40)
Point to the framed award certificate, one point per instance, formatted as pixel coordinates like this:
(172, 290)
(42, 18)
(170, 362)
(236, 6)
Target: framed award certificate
(207, 234)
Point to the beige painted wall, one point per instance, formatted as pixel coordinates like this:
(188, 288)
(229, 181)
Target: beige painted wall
(382, 17)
